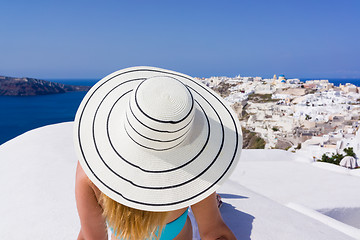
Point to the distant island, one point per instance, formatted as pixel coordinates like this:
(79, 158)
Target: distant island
(10, 86)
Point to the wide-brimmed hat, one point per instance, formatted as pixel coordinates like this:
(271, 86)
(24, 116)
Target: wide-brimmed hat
(156, 140)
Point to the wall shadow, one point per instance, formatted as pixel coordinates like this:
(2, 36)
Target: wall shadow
(239, 222)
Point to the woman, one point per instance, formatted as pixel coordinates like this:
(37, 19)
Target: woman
(151, 143)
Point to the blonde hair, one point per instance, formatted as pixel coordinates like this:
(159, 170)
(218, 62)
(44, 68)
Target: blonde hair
(130, 223)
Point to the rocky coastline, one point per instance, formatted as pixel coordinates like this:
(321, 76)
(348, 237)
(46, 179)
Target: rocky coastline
(11, 86)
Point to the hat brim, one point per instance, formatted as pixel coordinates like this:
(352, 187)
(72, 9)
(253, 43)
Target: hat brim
(141, 177)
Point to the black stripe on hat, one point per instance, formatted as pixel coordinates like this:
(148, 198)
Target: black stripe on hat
(151, 139)
(150, 148)
(157, 130)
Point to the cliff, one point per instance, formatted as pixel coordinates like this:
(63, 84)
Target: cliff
(10, 86)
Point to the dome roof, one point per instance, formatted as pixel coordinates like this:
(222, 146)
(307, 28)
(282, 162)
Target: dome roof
(349, 162)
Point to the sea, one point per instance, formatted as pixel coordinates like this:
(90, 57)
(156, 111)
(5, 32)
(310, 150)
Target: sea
(21, 114)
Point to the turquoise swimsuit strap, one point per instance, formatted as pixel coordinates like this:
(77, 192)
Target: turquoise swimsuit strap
(172, 229)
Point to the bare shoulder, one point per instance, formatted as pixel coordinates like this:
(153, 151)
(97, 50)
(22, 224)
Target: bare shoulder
(82, 182)
(83, 186)
(80, 174)
(93, 224)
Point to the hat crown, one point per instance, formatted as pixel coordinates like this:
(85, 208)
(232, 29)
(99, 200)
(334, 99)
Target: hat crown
(160, 113)
(164, 99)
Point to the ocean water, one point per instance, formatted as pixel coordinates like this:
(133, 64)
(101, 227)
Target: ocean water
(21, 114)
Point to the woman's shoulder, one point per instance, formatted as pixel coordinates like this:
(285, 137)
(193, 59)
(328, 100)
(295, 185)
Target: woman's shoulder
(82, 179)
(84, 184)
(80, 175)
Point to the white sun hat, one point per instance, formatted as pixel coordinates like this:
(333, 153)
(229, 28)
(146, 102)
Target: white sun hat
(156, 140)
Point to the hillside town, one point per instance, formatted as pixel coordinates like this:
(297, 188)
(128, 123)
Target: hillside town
(314, 117)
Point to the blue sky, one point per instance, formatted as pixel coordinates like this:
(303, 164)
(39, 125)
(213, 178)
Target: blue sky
(90, 39)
